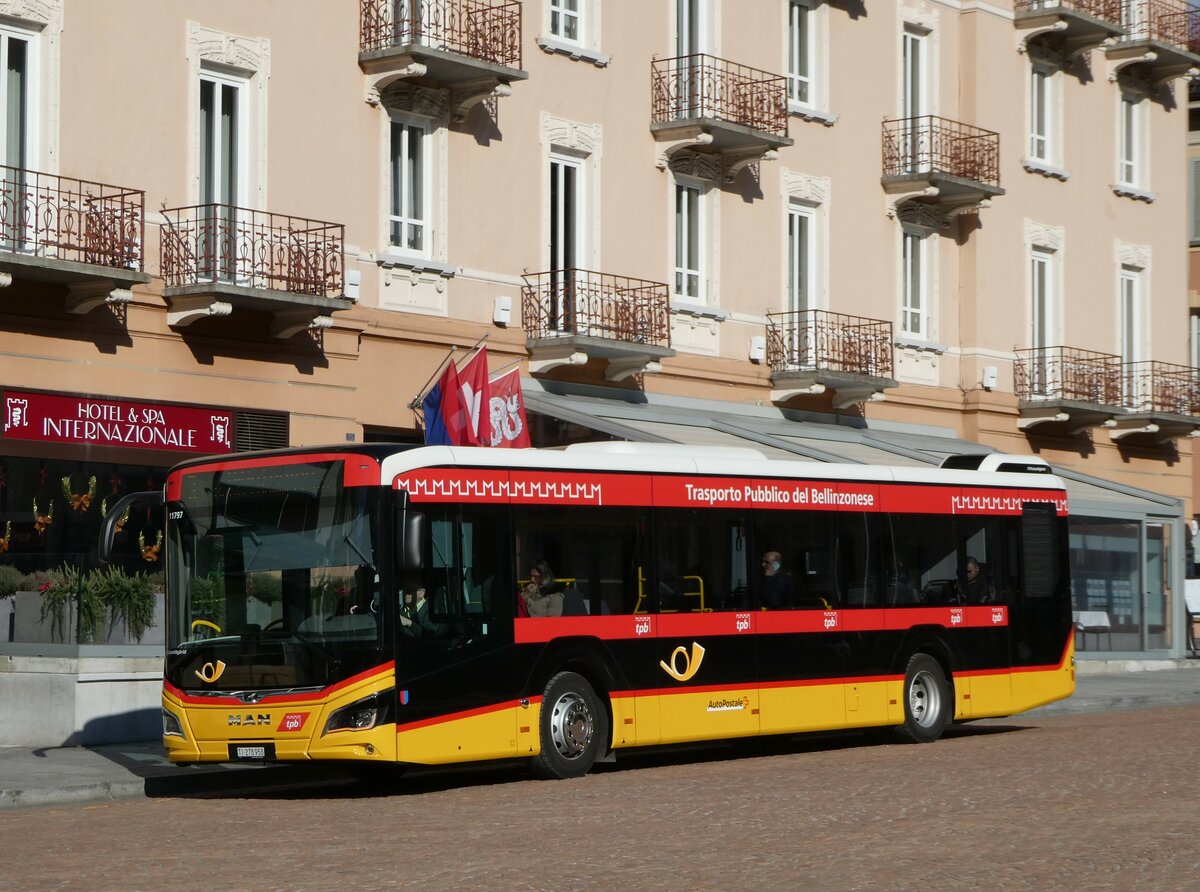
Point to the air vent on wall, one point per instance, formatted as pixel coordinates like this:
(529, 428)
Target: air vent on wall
(259, 430)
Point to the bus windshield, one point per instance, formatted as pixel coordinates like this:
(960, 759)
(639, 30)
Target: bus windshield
(272, 571)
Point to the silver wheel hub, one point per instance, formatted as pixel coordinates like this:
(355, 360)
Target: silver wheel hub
(571, 725)
(924, 699)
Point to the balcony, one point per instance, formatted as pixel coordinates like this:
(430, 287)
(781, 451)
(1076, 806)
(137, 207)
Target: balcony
(1162, 399)
(217, 258)
(1070, 27)
(1069, 389)
(1160, 40)
(814, 351)
(86, 236)
(574, 315)
(716, 116)
(471, 48)
(938, 168)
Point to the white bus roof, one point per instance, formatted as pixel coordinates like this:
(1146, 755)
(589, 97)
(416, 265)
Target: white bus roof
(996, 469)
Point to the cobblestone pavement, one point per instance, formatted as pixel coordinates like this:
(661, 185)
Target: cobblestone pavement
(1097, 801)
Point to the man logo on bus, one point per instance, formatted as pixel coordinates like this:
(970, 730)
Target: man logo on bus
(691, 663)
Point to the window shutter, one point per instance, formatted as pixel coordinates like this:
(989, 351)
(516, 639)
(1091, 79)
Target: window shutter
(260, 430)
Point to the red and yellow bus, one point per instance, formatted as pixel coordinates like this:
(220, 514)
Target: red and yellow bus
(365, 603)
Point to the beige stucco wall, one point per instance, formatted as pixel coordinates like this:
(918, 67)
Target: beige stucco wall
(125, 83)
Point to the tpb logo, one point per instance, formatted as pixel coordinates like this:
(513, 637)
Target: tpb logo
(292, 721)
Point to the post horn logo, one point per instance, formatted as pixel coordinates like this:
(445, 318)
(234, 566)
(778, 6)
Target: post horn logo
(691, 662)
(209, 673)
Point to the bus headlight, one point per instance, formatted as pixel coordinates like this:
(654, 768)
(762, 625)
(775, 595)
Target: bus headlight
(361, 715)
(172, 727)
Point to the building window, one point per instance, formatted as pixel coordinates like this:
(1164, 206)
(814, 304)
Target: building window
(565, 20)
(914, 310)
(1041, 295)
(1131, 328)
(1194, 322)
(801, 257)
(408, 215)
(800, 52)
(222, 140)
(1041, 110)
(15, 52)
(689, 240)
(1129, 172)
(1194, 200)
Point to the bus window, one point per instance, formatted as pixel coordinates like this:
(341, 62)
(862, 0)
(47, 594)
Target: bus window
(804, 542)
(981, 578)
(597, 557)
(701, 561)
(926, 560)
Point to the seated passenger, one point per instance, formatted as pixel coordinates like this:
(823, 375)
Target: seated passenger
(777, 585)
(542, 595)
(977, 588)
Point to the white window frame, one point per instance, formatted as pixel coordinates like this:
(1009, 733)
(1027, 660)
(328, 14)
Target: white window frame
(1131, 141)
(405, 217)
(690, 259)
(1043, 298)
(1194, 200)
(241, 164)
(801, 249)
(560, 15)
(1130, 302)
(557, 213)
(1041, 114)
(1194, 341)
(801, 42)
(29, 141)
(915, 315)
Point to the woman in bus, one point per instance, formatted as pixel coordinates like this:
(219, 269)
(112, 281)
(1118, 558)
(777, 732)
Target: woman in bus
(542, 595)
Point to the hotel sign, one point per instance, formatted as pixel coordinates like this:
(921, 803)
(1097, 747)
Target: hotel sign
(56, 418)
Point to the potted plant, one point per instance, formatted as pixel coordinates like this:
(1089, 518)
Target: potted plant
(10, 583)
(129, 600)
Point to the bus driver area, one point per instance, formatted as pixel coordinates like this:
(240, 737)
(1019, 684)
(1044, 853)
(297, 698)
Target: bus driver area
(401, 605)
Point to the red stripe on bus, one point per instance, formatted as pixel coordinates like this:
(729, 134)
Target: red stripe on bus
(360, 470)
(498, 486)
(528, 630)
(463, 714)
(276, 699)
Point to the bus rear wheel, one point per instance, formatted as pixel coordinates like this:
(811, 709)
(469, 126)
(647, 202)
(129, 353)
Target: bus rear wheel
(926, 701)
(573, 727)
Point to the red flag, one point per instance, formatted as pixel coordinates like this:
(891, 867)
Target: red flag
(473, 396)
(509, 426)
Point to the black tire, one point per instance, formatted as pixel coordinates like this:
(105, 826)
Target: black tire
(573, 728)
(927, 704)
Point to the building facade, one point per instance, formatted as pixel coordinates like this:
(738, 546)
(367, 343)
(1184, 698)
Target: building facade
(840, 230)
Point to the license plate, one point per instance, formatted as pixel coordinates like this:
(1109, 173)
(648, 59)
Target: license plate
(251, 752)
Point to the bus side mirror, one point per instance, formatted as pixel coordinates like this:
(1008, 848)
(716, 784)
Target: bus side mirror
(118, 515)
(411, 546)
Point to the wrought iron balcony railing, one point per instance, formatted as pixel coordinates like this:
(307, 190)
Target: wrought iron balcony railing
(61, 218)
(812, 340)
(702, 86)
(1065, 373)
(487, 30)
(1105, 10)
(1151, 386)
(1173, 22)
(579, 302)
(929, 144)
(221, 244)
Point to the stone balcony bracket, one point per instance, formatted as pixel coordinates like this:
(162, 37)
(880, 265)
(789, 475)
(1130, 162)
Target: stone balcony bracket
(845, 397)
(696, 139)
(546, 360)
(620, 369)
(83, 297)
(783, 394)
(466, 95)
(1118, 431)
(6, 279)
(184, 311)
(287, 323)
(377, 83)
(735, 161)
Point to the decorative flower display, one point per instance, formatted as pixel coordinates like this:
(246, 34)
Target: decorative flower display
(150, 552)
(79, 501)
(42, 521)
(7, 536)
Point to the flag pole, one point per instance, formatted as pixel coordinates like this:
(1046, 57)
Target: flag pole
(504, 368)
(416, 401)
(475, 349)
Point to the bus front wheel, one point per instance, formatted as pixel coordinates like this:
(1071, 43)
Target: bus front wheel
(926, 700)
(573, 726)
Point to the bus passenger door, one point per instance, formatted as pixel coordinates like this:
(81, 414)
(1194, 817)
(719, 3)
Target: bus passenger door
(707, 669)
(454, 676)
